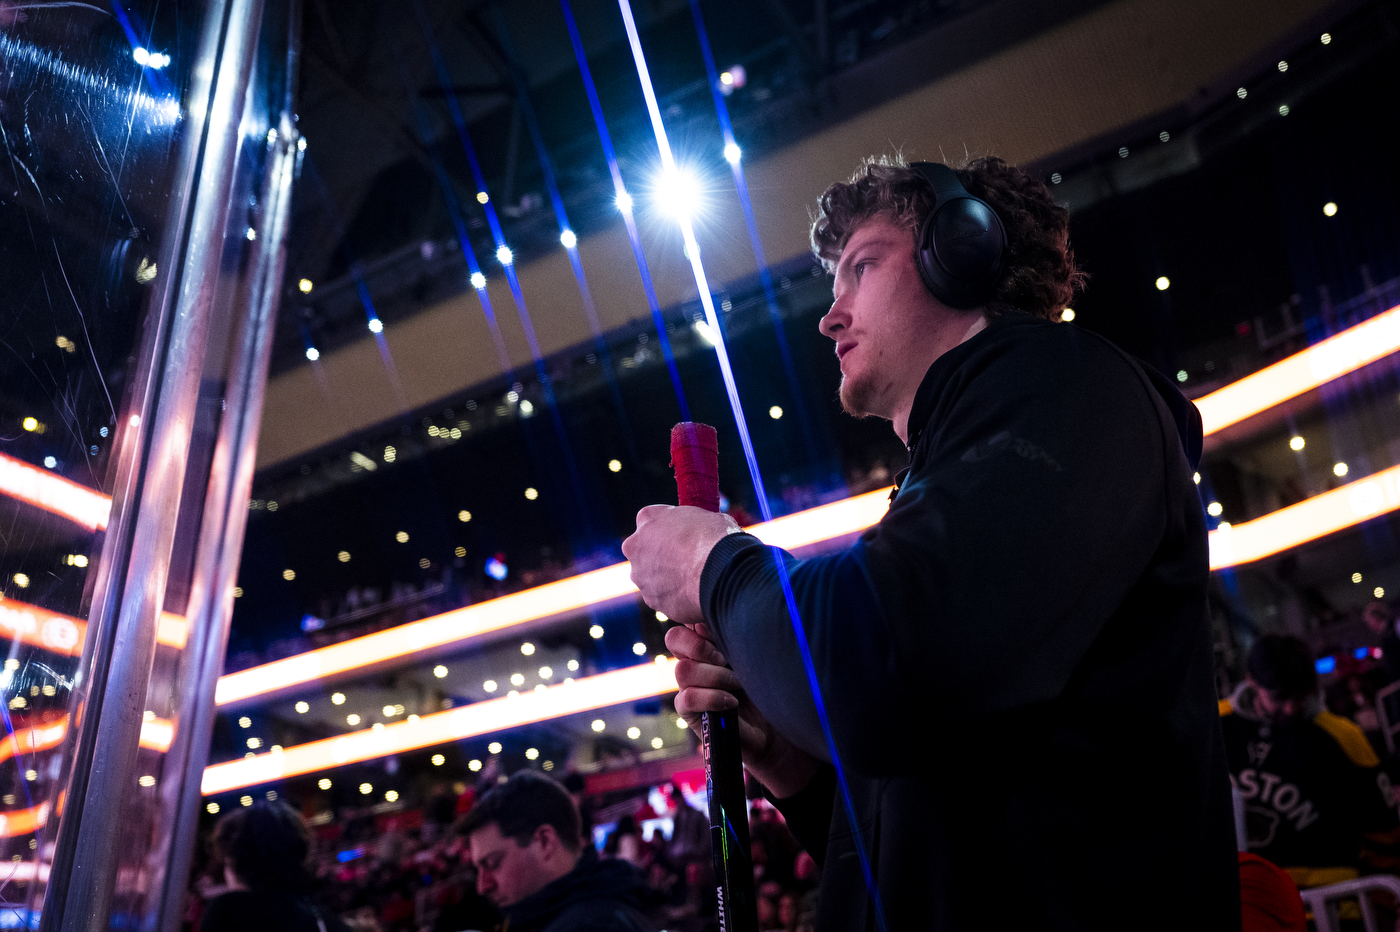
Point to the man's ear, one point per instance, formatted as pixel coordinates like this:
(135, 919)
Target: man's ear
(548, 838)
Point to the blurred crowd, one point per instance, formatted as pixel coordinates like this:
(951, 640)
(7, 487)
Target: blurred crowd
(411, 869)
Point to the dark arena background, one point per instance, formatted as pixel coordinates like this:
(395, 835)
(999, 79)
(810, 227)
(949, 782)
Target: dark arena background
(341, 343)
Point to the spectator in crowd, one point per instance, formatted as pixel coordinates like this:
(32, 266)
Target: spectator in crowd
(263, 848)
(1380, 621)
(532, 863)
(1315, 796)
(690, 832)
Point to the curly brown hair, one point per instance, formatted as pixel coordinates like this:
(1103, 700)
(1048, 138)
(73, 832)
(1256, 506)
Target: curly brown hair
(1038, 275)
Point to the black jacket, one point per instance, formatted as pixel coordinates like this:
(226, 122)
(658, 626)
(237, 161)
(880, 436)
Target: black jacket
(598, 895)
(1016, 660)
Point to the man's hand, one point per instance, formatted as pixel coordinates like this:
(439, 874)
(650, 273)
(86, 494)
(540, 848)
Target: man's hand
(668, 553)
(708, 685)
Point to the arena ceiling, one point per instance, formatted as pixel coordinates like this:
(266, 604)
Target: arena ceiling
(1049, 84)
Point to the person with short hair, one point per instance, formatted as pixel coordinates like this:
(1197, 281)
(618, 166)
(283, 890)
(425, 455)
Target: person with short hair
(264, 849)
(533, 864)
(1314, 794)
(1015, 661)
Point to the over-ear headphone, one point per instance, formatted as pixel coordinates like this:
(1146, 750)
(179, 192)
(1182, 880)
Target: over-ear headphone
(960, 244)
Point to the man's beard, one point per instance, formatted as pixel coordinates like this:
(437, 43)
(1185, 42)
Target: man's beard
(857, 397)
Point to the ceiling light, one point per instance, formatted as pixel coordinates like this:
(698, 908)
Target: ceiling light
(594, 631)
(464, 516)
(1163, 283)
(1330, 209)
(623, 202)
(366, 788)
(343, 556)
(392, 796)
(482, 197)
(494, 747)
(1339, 469)
(1378, 592)
(438, 760)
(517, 679)
(527, 648)
(289, 574)
(1214, 509)
(678, 193)
(212, 808)
(504, 256)
(439, 671)
(375, 326)
(775, 412)
(338, 698)
(490, 686)
(657, 742)
(1356, 577)
(1297, 443)
(401, 537)
(1067, 314)
(312, 353)
(352, 719)
(634, 732)
(478, 281)
(546, 672)
(474, 765)
(245, 722)
(303, 707)
(305, 286)
(614, 465)
(599, 724)
(639, 649)
(568, 239)
(532, 753)
(532, 494)
(732, 153)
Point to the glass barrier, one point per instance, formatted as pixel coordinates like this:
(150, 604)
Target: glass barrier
(149, 149)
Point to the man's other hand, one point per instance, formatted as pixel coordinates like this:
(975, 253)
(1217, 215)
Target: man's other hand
(708, 685)
(668, 553)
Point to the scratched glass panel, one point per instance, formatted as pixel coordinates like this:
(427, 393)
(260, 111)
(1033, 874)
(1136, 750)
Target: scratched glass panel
(90, 121)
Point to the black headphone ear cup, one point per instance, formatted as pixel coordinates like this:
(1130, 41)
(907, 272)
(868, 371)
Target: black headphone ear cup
(961, 243)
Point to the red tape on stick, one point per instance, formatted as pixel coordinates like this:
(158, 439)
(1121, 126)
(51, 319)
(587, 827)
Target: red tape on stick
(695, 458)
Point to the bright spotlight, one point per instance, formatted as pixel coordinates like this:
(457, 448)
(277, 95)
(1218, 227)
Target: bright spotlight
(305, 286)
(568, 239)
(478, 281)
(375, 326)
(678, 193)
(624, 202)
(732, 153)
(504, 256)
(141, 55)
(312, 353)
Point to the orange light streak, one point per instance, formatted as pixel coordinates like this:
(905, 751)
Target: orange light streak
(593, 692)
(1306, 521)
(32, 740)
(64, 634)
(1315, 366)
(23, 821)
(53, 493)
(567, 595)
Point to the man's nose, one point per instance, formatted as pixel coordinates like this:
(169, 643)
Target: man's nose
(833, 321)
(484, 883)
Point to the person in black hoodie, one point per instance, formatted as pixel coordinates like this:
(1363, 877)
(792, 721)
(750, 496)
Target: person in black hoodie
(533, 864)
(1030, 613)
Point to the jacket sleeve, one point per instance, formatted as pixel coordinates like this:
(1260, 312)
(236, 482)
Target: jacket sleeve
(808, 812)
(1038, 505)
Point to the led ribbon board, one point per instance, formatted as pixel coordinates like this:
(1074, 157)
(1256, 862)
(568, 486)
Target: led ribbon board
(1277, 531)
(592, 692)
(567, 595)
(43, 489)
(1302, 372)
(64, 634)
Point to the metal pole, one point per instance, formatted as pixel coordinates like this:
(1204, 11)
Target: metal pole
(136, 560)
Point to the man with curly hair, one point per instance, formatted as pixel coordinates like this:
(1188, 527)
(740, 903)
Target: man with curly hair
(1016, 660)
